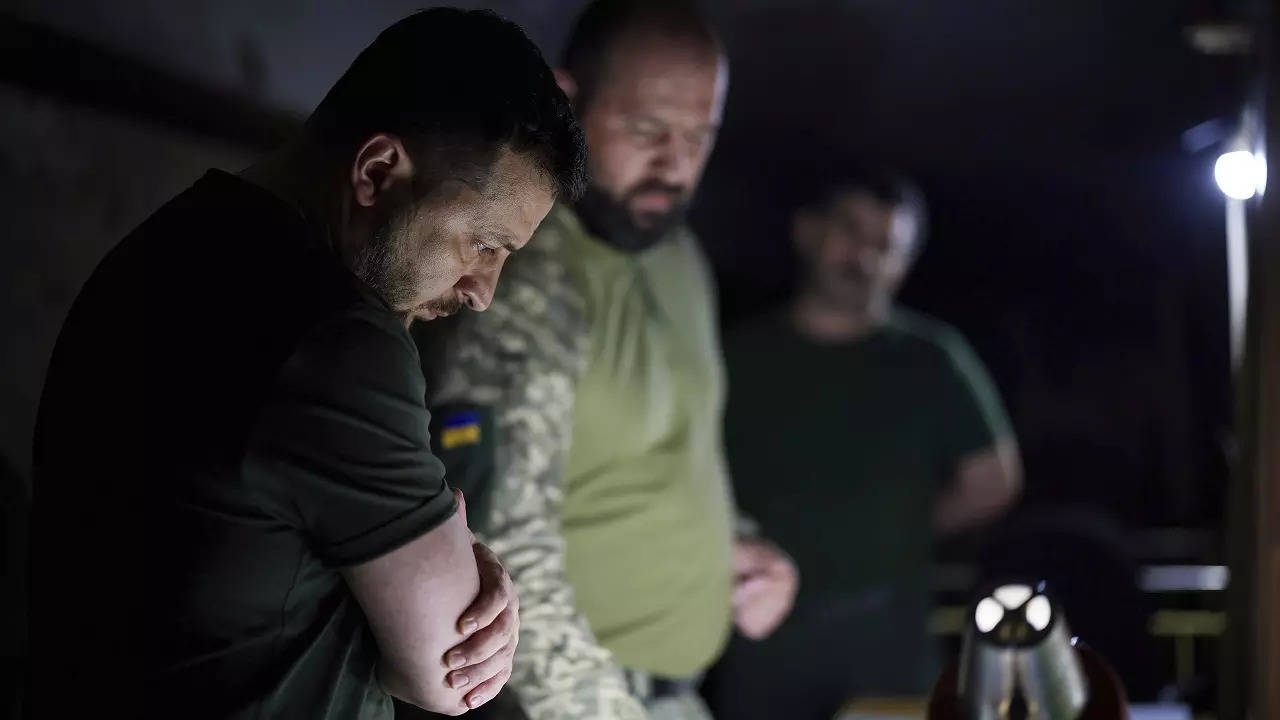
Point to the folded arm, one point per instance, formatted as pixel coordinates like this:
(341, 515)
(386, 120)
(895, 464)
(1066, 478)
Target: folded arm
(342, 453)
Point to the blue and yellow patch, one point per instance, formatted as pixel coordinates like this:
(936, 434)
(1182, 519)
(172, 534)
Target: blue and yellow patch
(460, 429)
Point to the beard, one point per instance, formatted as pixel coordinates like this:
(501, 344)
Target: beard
(612, 220)
(383, 263)
(394, 265)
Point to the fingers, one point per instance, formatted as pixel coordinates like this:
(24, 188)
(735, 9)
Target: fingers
(473, 676)
(761, 614)
(486, 690)
(485, 642)
(762, 601)
(750, 588)
(752, 621)
(751, 557)
(496, 592)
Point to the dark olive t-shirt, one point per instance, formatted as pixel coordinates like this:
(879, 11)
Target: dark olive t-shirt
(843, 447)
(230, 417)
(839, 450)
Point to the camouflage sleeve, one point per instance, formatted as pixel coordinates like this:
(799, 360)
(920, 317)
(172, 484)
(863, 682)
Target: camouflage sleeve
(518, 361)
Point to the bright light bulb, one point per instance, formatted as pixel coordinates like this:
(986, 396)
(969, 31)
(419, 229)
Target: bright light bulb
(1039, 612)
(988, 615)
(1012, 596)
(1240, 174)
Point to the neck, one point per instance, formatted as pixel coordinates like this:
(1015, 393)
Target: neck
(823, 321)
(292, 175)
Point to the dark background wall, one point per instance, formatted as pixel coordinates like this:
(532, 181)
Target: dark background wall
(1073, 239)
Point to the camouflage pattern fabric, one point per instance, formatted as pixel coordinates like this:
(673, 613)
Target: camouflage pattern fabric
(686, 704)
(520, 360)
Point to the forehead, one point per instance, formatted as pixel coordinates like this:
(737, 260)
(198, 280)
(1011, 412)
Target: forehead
(859, 206)
(514, 196)
(864, 211)
(650, 73)
(518, 192)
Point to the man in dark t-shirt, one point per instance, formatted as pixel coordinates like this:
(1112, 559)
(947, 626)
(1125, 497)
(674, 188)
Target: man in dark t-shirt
(237, 513)
(855, 431)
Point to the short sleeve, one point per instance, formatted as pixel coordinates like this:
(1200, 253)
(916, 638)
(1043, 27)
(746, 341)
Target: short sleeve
(342, 449)
(972, 416)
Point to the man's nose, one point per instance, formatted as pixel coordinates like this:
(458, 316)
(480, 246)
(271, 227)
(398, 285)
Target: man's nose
(674, 160)
(477, 288)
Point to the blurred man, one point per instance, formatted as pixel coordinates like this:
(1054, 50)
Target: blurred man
(855, 429)
(583, 411)
(237, 512)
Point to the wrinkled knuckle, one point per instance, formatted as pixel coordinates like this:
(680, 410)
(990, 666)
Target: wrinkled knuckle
(509, 622)
(505, 593)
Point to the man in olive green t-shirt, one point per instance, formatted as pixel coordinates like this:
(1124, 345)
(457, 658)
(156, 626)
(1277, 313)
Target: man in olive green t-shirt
(855, 430)
(237, 513)
(582, 416)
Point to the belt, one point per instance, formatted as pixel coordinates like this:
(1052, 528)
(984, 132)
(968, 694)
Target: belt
(664, 687)
(648, 687)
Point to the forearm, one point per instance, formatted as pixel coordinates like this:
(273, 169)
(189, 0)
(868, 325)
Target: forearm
(413, 598)
(955, 510)
(986, 484)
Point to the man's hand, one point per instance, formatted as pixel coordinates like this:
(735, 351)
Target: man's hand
(765, 586)
(986, 484)
(482, 662)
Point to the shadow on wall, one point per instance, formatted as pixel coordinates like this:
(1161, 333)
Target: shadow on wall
(75, 181)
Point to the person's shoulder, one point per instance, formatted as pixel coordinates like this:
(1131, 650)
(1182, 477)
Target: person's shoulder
(538, 285)
(555, 235)
(536, 319)
(362, 343)
(929, 336)
(916, 326)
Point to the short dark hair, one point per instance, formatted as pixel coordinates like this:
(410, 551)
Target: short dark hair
(832, 180)
(461, 85)
(604, 22)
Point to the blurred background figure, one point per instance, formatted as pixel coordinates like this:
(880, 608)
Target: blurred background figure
(856, 430)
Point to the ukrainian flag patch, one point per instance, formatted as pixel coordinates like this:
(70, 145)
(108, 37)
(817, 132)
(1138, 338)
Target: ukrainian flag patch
(460, 429)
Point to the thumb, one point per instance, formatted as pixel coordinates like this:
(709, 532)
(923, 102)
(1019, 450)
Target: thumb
(748, 588)
(462, 505)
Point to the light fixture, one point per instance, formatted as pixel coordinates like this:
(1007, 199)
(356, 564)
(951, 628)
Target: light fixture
(1039, 612)
(1012, 597)
(988, 615)
(1241, 174)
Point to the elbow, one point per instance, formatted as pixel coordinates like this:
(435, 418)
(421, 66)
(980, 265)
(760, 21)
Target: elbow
(1011, 467)
(1009, 493)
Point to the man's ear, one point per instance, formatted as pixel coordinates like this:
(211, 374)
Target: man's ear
(380, 165)
(566, 83)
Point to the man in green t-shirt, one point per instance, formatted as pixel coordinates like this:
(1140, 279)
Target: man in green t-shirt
(855, 431)
(237, 513)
